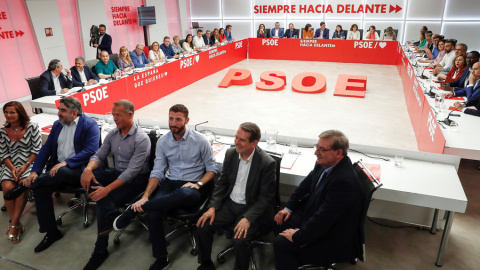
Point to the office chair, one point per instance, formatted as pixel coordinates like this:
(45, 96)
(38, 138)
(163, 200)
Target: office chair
(265, 227)
(369, 186)
(361, 33)
(188, 216)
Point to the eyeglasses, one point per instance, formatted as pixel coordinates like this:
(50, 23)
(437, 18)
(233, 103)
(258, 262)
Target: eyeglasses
(321, 149)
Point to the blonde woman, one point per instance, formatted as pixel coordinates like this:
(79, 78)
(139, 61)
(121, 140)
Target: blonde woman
(389, 34)
(176, 45)
(125, 63)
(156, 55)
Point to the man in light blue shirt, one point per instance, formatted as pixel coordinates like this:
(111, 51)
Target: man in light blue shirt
(191, 165)
(228, 33)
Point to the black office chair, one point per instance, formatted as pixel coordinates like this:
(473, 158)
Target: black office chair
(265, 227)
(369, 186)
(267, 31)
(345, 32)
(181, 42)
(114, 58)
(361, 33)
(33, 84)
(91, 63)
(188, 216)
(139, 218)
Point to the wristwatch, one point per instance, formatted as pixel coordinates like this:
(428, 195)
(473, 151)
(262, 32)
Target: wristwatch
(200, 184)
(29, 164)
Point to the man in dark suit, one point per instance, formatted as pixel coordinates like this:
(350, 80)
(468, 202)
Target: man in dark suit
(472, 102)
(320, 222)
(167, 49)
(53, 82)
(243, 195)
(105, 41)
(74, 138)
(207, 39)
(322, 32)
(277, 32)
(291, 32)
(81, 74)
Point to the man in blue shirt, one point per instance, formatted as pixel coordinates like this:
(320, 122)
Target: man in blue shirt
(228, 33)
(191, 164)
(105, 68)
(138, 57)
(167, 48)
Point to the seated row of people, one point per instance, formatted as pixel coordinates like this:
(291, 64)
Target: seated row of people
(323, 32)
(318, 225)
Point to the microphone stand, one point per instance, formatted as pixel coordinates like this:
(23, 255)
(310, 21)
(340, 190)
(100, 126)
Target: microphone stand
(447, 120)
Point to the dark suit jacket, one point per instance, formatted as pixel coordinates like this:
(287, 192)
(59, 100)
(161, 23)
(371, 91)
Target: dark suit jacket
(331, 214)
(85, 141)
(470, 92)
(106, 44)
(260, 190)
(266, 34)
(47, 87)
(77, 81)
(473, 102)
(460, 82)
(326, 33)
(169, 52)
(295, 33)
(280, 32)
(208, 41)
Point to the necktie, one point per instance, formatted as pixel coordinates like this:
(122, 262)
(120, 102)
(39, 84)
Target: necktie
(314, 192)
(291, 34)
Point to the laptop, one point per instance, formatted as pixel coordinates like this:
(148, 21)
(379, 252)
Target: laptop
(195, 25)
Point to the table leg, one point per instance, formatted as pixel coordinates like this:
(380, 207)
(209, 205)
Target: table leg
(433, 230)
(445, 237)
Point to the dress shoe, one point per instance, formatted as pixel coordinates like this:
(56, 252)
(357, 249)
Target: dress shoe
(160, 264)
(206, 266)
(95, 261)
(48, 240)
(122, 221)
(15, 192)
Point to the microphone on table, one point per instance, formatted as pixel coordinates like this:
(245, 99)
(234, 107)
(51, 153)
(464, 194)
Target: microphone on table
(447, 120)
(430, 93)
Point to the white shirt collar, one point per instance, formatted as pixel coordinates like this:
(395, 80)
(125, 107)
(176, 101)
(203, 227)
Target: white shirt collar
(249, 158)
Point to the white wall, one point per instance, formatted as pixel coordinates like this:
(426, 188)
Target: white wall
(459, 19)
(44, 14)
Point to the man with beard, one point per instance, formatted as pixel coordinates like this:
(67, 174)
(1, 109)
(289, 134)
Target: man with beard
(73, 140)
(81, 74)
(191, 164)
(110, 188)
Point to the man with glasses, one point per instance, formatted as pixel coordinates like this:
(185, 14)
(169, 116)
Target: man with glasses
(138, 57)
(319, 224)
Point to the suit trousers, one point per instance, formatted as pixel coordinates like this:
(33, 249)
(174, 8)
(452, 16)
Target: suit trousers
(169, 195)
(108, 205)
(43, 188)
(227, 217)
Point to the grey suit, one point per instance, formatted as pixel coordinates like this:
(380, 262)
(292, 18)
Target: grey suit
(260, 192)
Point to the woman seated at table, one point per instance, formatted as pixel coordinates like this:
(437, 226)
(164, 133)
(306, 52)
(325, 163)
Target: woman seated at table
(261, 32)
(124, 61)
(423, 42)
(353, 34)
(307, 32)
(20, 142)
(338, 34)
(156, 55)
(221, 35)
(441, 54)
(371, 34)
(459, 66)
(176, 45)
(214, 36)
(389, 34)
(188, 44)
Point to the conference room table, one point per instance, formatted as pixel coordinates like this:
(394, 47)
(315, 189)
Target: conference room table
(459, 141)
(425, 179)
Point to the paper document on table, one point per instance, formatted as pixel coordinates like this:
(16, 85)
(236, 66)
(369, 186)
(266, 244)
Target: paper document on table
(217, 148)
(453, 98)
(288, 160)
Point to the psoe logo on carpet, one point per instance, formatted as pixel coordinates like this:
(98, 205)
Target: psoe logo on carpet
(270, 42)
(369, 44)
(188, 62)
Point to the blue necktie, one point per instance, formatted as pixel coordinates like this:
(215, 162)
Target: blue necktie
(291, 34)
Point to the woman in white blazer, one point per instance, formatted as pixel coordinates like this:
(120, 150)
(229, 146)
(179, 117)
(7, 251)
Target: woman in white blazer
(353, 34)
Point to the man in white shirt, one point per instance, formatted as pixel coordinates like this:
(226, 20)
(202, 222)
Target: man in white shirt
(53, 81)
(277, 32)
(198, 41)
(81, 74)
(447, 61)
(243, 197)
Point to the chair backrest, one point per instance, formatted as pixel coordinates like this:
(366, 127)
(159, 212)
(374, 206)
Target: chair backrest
(345, 32)
(181, 42)
(378, 32)
(91, 63)
(278, 160)
(153, 141)
(361, 33)
(114, 58)
(267, 30)
(33, 84)
(368, 187)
